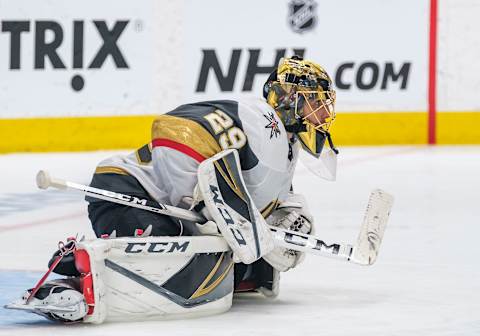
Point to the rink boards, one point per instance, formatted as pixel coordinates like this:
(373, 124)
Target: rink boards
(92, 75)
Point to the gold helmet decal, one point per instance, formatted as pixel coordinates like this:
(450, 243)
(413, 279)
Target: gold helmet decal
(301, 93)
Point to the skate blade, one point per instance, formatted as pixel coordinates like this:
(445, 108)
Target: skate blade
(42, 308)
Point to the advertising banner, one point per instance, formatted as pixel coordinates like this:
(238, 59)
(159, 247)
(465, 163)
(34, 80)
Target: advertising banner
(376, 51)
(84, 58)
(101, 70)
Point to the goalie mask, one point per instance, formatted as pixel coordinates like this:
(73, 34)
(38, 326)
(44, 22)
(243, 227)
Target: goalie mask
(301, 93)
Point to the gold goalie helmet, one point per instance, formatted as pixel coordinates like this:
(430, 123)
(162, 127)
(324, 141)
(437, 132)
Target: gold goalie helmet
(301, 93)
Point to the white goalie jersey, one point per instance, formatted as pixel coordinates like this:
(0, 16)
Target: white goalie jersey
(183, 138)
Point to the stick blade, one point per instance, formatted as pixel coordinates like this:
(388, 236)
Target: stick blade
(373, 227)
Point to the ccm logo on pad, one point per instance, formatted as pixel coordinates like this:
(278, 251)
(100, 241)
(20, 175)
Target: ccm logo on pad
(157, 247)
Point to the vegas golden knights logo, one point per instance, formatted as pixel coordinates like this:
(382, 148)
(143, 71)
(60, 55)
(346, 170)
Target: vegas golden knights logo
(302, 15)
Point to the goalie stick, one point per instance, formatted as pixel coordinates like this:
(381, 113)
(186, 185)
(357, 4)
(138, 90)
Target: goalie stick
(364, 252)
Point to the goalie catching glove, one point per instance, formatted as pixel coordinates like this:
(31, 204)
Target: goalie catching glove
(293, 214)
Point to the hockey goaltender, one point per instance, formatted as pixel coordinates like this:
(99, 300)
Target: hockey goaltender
(206, 209)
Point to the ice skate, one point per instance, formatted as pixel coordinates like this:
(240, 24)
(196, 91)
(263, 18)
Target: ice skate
(56, 300)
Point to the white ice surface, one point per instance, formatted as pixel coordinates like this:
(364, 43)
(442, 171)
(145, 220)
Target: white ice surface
(426, 280)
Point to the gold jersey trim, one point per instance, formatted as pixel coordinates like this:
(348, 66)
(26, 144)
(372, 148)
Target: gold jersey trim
(111, 170)
(186, 132)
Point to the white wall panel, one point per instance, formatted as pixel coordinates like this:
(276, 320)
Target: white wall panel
(458, 55)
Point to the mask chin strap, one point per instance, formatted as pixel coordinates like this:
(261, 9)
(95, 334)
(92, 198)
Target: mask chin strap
(301, 127)
(298, 127)
(330, 143)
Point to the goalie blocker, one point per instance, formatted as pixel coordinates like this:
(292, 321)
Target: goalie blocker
(230, 206)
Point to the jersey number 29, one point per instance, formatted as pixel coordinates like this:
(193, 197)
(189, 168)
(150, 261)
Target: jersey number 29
(229, 136)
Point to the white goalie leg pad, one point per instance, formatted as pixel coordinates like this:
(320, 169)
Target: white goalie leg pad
(231, 207)
(151, 278)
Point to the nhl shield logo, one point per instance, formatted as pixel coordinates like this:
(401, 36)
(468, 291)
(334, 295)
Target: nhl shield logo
(302, 15)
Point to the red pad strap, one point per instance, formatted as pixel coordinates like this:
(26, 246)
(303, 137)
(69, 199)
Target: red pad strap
(45, 276)
(82, 263)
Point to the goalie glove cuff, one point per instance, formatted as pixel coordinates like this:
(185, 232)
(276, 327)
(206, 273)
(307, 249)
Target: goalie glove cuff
(280, 258)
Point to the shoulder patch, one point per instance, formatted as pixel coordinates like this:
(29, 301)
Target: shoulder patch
(272, 124)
